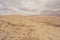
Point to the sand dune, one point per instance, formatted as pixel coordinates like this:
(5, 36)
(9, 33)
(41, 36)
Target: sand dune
(29, 27)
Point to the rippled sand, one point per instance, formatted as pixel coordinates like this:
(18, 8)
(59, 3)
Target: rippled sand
(29, 27)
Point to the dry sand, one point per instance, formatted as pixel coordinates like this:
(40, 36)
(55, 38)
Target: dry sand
(29, 27)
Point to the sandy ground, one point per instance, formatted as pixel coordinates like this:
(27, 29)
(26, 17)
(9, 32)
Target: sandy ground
(29, 27)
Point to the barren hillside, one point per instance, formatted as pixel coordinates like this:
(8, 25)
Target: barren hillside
(29, 27)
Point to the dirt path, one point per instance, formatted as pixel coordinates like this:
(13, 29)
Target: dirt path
(29, 28)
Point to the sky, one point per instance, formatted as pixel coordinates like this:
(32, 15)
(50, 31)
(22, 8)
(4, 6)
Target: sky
(29, 7)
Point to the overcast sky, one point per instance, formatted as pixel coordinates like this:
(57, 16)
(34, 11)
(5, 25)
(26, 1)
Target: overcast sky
(30, 7)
